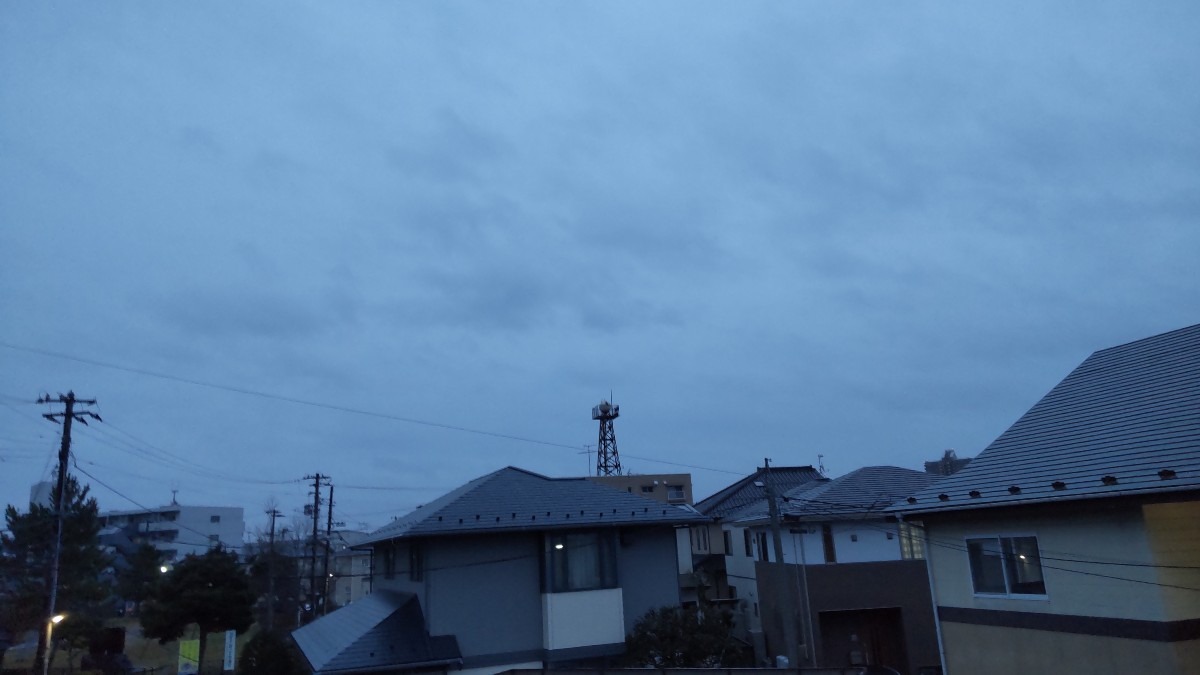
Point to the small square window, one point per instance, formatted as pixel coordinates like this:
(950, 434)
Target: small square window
(1006, 566)
(647, 488)
(214, 519)
(675, 493)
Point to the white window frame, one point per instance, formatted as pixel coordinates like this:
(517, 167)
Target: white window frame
(1005, 563)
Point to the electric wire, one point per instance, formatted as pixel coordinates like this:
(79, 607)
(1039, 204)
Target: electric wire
(335, 407)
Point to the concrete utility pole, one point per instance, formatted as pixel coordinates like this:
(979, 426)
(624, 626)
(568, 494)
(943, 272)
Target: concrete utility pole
(64, 454)
(273, 514)
(312, 560)
(328, 541)
(790, 636)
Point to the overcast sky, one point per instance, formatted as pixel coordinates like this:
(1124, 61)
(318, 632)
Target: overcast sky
(868, 231)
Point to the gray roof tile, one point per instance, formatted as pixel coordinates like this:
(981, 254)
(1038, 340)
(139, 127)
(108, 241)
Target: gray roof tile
(516, 499)
(751, 490)
(864, 491)
(1126, 421)
(384, 630)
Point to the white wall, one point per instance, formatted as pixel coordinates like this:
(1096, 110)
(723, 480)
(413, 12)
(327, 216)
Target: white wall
(583, 618)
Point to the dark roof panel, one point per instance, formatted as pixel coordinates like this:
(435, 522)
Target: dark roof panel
(752, 490)
(515, 499)
(1126, 421)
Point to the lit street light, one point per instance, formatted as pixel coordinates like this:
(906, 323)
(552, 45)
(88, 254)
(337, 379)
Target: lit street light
(57, 618)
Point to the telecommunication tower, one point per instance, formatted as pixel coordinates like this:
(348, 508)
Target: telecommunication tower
(608, 463)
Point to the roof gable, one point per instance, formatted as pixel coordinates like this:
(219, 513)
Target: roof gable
(516, 499)
(1126, 421)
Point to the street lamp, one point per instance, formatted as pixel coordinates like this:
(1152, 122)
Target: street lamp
(57, 618)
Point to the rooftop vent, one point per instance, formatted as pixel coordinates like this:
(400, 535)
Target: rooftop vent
(1166, 474)
(911, 500)
(1109, 480)
(1014, 489)
(1058, 485)
(975, 494)
(944, 497)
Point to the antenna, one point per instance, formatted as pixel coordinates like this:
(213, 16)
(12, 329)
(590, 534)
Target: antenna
(608, 463)
(821, 464)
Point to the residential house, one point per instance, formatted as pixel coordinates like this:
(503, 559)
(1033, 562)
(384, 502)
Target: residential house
(350, 570)
(1072, 543)
(513, 569)
(670, 488)
(724, 561)
(178, 530)
(856, 582)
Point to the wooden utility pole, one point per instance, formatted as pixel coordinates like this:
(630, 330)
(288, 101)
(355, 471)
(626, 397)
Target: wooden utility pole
(788, 610)
(60, 493)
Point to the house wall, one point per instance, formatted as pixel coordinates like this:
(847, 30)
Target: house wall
(1086, 622)
(853, 542)
(1113, 534)
(647, 571)
(741, 575)
(486, 591)
(899, 584)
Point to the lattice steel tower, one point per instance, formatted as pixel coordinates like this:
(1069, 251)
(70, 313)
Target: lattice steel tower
(608, 463)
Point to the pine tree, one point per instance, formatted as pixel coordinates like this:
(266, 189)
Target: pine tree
(210, 590)
(28, 556)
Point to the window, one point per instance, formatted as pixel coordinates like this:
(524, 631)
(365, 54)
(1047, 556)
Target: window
(214, 519)
(749, 545)
(675, 493)
(762, 547)
(647, 488)
(827, 543)
(727, 540)
(1006, 566)
(389, 561)
(700, 539)
(416, 562)
(580, 561)
(910, 541)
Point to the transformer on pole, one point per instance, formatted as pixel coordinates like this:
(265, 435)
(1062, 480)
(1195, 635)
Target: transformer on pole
(608, 463)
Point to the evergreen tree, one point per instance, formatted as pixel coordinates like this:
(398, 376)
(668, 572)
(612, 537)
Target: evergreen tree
(136, 581)
(210, 590)
(28, 557)
(678, 637)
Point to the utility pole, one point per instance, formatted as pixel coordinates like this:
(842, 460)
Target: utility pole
(328, 540)
(273, 514)
(312, 559)
(789, 595)
(64, 454)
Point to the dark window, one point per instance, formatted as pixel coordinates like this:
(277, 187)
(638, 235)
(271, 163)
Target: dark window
(675, 493)
(580, 561)
(762, 547)
(389, 561)
(416, 562)
(1006, 566)
(749, 546)
(214, 519)
(827, 541)
(647, 488)
(727, 539)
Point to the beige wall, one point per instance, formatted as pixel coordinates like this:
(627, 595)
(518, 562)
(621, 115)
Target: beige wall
(989, 650)
(1174, 532)
(1110, 535)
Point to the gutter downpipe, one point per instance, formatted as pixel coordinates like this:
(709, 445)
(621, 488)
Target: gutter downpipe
(937, 619)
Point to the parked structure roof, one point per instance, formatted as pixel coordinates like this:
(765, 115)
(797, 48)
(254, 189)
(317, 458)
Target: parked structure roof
(1125, 422)
(752, 489)
(383, 631)
(516, 499)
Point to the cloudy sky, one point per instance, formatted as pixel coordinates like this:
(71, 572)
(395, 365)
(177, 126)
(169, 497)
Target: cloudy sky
(868, 231)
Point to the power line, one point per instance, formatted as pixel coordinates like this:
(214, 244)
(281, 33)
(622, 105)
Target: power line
(335, 407)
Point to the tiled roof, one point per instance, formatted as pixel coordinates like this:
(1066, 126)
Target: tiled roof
(865, 491)
(516, 499)
(752, 489)
(383, 631)
(1126, 421)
